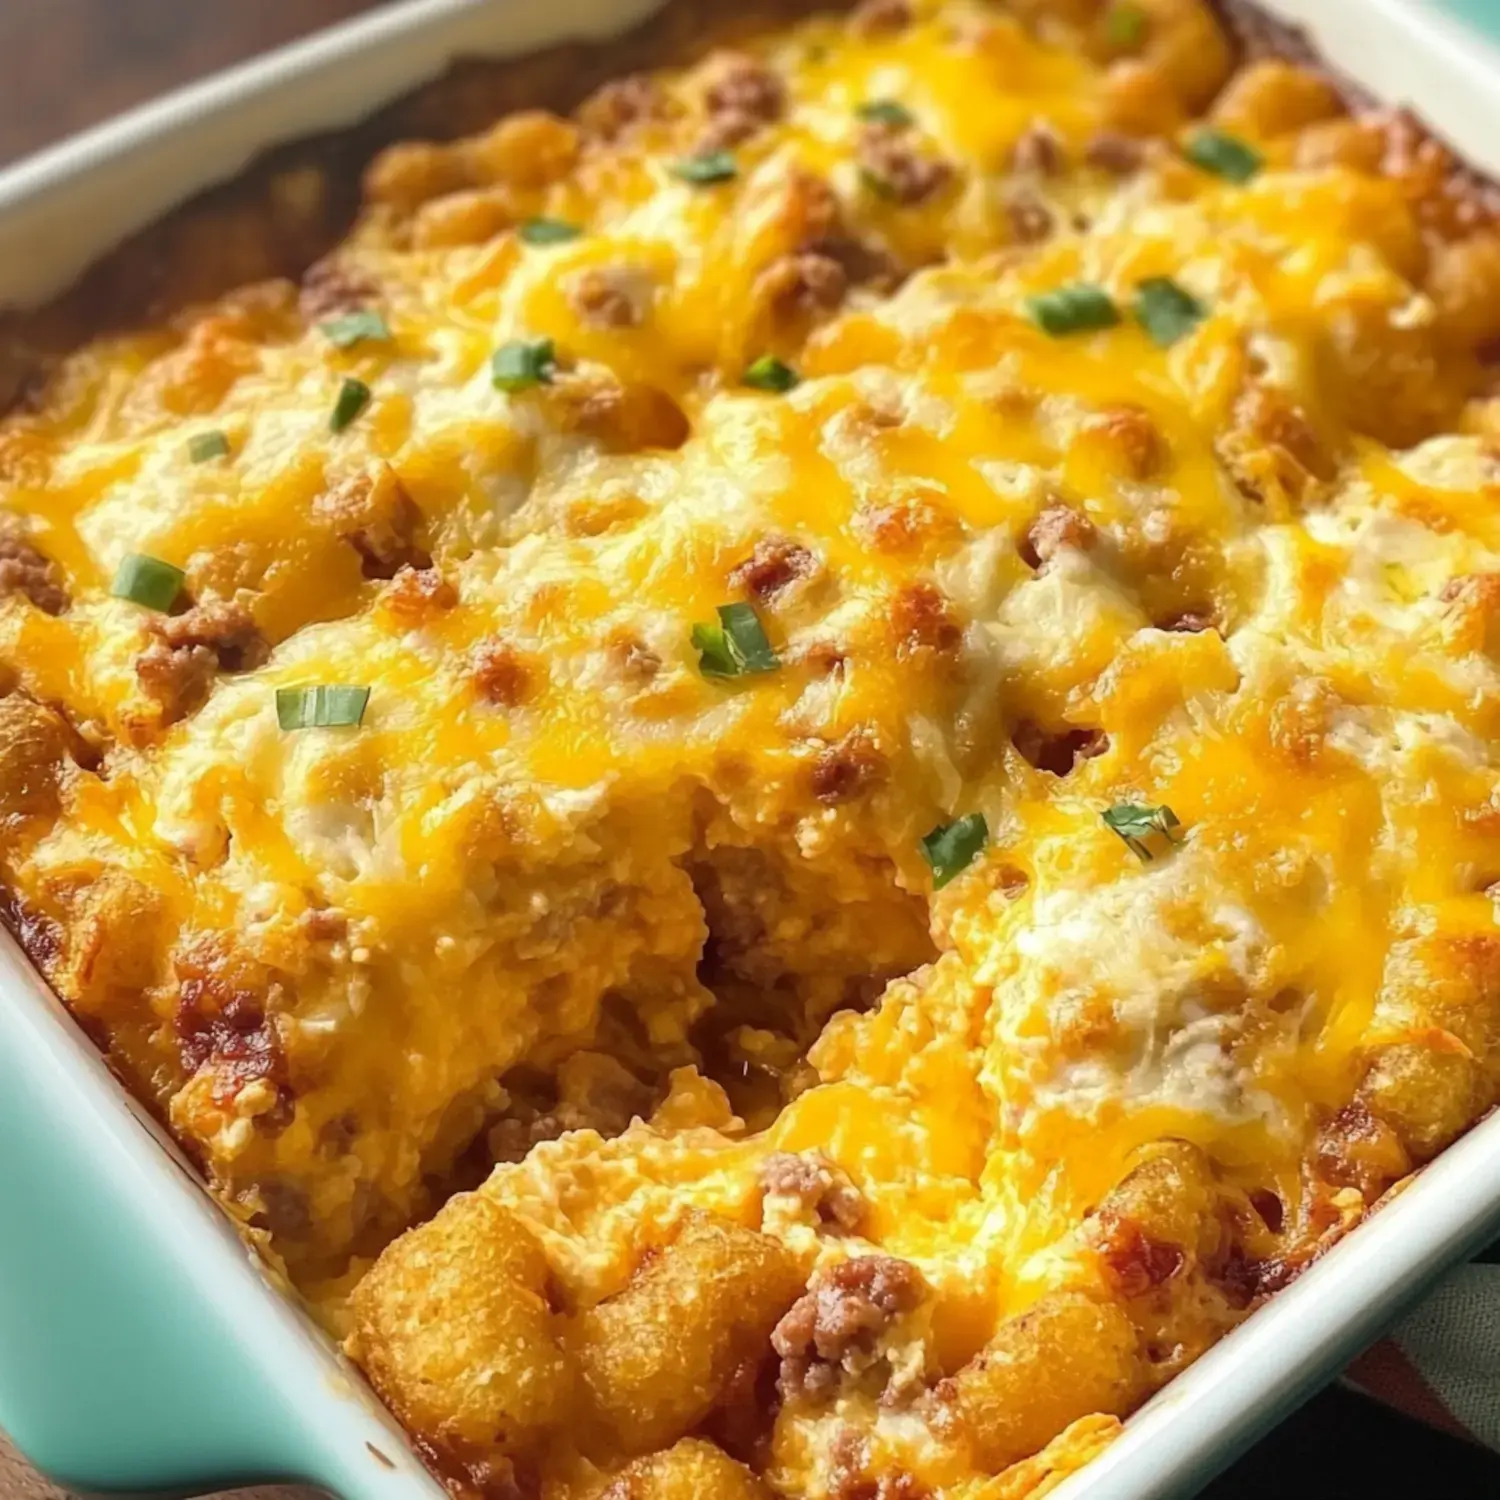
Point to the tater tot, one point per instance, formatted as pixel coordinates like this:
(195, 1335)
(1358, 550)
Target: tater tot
(468, 217)
(32, 767)
(1387, 378)
(411, 172)
(1451, 983)
(691, 1470)
(1442, 993)
(1066, 1357)
(1429, 1094)
(1185, 41)
(1172, 1198)
(455, 1333)
(658, 1357)
(1357, 144)
(1464, 283)
(525, 150)
(1139, 99)
(1270, 98)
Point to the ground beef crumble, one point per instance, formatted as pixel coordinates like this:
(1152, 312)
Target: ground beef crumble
(922, 620)
(817, 1184)
(187, 651)
(24, 570)
(1039, 149)
(843, 771)
(1055, 529)
(619, 106)
(851, 1477)
(804, 282)
(775, 564)
(1114, 153)
(500, 674)
(1030, 218)
(844, 1311)
(896, 169)
(742, 95)
(607, 297)
(375, 515)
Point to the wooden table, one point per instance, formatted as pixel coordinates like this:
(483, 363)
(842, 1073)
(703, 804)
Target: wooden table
(65, 64)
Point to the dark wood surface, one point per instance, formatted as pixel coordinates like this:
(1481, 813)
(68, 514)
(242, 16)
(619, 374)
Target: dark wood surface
(65, 64)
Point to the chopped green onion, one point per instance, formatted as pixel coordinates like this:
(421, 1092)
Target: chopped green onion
(1147, 831)
(736, 646)
(355, 327)
(886, 112)
(706, 168)
(1073, 309)
(1166, 311)
(354, 396)
(1125, 25)
(544, 231)
(769, 374)
(715, 659)
(208, 445)
(320, 707)
(952, 847)
(149, 581)
(1224, 155)
(523, 363)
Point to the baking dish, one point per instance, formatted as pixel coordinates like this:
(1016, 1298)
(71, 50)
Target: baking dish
(121, 171)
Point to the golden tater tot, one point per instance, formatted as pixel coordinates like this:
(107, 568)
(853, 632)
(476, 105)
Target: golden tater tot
(454, 1330)
(1067, 1356)
(658, 1357)
(1271, 97)
(690, 1470)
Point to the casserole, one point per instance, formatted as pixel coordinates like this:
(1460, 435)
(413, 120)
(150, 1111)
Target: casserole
(1173, 1394)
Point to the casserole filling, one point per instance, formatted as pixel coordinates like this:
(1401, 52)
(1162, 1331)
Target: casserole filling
(836, 719)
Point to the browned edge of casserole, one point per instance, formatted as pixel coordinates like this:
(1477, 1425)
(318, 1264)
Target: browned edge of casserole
(296, 201)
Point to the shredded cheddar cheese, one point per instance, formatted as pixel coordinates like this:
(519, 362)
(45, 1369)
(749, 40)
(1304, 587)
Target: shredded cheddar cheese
(837, 720)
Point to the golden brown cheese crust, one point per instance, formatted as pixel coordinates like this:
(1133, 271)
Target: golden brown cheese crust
(802, 1161)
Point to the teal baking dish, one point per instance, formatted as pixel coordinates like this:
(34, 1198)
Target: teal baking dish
(142, 1347)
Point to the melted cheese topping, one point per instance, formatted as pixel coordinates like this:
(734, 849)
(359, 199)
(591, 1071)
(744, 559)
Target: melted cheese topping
(1248, 577)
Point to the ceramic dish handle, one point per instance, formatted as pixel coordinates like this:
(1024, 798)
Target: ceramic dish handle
(116, 1370)
(141, 1349)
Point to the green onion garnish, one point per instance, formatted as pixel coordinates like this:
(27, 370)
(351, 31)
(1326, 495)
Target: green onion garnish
(1125, 25)
(544, 231)
(1073, 309)
(208, 445)
(1166, 311)
(707, 167)
(952, 847)
(769, 374)
(523, 363)
(353, 328)
(736, 646)
(886, 112)
(1224, 155)
(1147, 831)
(354, 396)
(320, 707)
(149, 581)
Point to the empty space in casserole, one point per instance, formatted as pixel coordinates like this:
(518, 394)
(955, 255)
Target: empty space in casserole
(792, 778)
